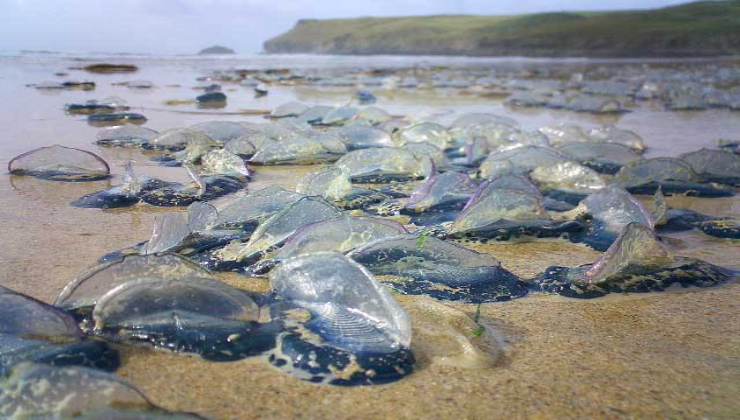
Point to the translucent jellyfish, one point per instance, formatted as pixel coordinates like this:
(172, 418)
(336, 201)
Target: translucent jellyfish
(170, 231)
(475, 118)
(608, 88)
(84, 291)
(425, 151)
(260, 90)
(673, 176)
(287, 129)
(272, 131)
(314, 114)
(254, 208)
(40, 391)
(333, 184)
(223, 162)
(78, 85)
(676, 220)
(373, 115)
(519, 161)
(446, 191)
(234, 225)
(177, 139)
(595, 104)
(491, 205)
(516, 138)
(567, 181)
(522, 183)
(474, 152)
(605, 158)
(383, 164)
(648, 90)
(90, 108)
(298, 151)
(330, 141)
(559, 101)
(656, 170)
(339, 116)
(729, 145)
(721, 227)
(60, 163)
(221, 131)
(124, 195)
(514, 182)
(635, 262)
(241, 146)
(686, 98)
(33, 331)
(289, 109)
(26, 317)
(104, 120)
(202, 188)
(49, 85)
(362, 137)
(562, 134)
(426, 265)
(188, 232)
(365, 97)
(722, 98)
(715, 165)
(125, 136)
(356, 333)
(393, 125)
(196, 147)
(499, 213)
(274, 231)
(528, 99)
(188, 314)
(212, 99)
(340, 234)
(498, 136)
(429, 132)
(610, 210)
(611, 134)
(93, 353)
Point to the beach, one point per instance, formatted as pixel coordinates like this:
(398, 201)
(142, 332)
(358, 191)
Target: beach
(673, 354)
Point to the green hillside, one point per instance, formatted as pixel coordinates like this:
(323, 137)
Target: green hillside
(705, 28)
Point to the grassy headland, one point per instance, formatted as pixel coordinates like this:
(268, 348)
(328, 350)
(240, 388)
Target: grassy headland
(705, 28)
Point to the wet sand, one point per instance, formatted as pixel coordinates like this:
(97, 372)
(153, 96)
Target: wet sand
(673, 354)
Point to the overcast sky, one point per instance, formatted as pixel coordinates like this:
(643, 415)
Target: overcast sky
(185, 26)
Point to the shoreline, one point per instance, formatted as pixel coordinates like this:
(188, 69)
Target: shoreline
(116, 58)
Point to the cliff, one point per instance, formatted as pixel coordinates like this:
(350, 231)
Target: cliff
(705, 28)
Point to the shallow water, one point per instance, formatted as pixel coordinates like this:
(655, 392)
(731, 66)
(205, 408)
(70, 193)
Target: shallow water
(671, 354)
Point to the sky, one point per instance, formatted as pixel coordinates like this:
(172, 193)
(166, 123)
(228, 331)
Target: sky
(186, 26)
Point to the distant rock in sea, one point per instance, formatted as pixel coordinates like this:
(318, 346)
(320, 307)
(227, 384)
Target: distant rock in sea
(216, 49)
